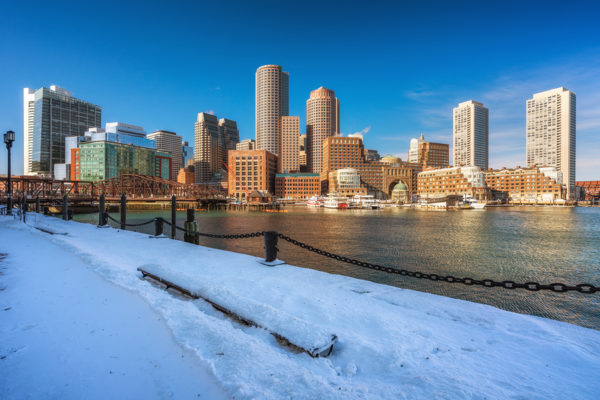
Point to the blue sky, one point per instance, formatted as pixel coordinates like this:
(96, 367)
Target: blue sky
(398, 68)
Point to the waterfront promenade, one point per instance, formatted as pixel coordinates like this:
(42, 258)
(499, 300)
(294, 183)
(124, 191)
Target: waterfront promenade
(392, 343)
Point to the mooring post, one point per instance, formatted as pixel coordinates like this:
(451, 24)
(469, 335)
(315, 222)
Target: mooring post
(101, 209)
(173, 217)
(270, 246)
(191, 228)
(158, 226)
(24, 209)
(65, 208)
(123, 211)
(37, 204)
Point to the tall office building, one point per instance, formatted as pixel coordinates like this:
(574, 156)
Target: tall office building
(171, 143)
(302, 154)
(470, 135)
(272, 91)
(208, 147)
(231, 135)
(187, 154)
(246, 144)
(413, 151)
(49, 115)
(428, 154)
(322, 121)
(289, 148)
(551, 133)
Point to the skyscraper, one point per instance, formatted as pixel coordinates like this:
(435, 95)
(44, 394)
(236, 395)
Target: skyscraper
(413, 151)
(208, 147)
(470, 135)
(551, 133)
(171, 143)
(289, 147)
(272, 90)
(49, 115)
(322, 121)
(231, 135)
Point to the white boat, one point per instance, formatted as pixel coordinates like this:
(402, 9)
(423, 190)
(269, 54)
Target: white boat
(438, 205)
(474, 203)
(337, 202)
(315, 201)
(366, 201)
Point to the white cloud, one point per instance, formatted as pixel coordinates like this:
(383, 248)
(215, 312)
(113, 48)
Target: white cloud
(211, 112)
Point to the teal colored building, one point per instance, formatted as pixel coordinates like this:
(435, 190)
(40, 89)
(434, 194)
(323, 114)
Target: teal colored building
(102, 160)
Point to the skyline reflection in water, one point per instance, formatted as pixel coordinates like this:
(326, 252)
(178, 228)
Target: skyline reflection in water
(522, 244)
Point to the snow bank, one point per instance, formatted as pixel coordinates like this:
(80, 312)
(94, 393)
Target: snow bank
(393, 343)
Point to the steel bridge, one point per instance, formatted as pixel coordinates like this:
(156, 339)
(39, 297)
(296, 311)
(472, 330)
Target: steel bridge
(135, 187)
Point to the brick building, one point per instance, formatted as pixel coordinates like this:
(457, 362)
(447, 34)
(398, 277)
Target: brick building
(377, 177)
(456, 181)
(297, 186)
(526, 184)
(251, 170)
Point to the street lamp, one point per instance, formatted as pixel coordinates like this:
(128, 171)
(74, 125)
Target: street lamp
(9, 138)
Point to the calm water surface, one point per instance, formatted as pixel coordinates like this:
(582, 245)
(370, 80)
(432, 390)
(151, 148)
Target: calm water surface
(539, 244)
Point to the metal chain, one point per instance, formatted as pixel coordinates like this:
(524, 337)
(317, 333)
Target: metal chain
(232, 236)
(140, 224)
(531, 286)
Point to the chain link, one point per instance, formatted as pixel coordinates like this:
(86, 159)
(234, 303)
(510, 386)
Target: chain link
(531, 286)
(133, 225)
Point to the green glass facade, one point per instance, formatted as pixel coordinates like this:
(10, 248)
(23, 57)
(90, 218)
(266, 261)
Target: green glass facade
(104, 160)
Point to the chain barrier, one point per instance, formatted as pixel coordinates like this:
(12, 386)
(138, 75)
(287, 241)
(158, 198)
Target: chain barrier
(488, 283)
(132, 225)
(531, 286)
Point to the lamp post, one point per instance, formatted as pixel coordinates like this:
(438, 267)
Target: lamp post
(9, 138)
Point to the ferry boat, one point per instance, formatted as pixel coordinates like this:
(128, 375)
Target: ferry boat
(315, 201)
(366, 201)
(337, 202)
(474, 203)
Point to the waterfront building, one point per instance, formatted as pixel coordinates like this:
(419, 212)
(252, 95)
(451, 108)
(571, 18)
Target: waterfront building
(372, 155)
(251, 170)
(526, 184)
(288, 145)
(454, 181)
(170, 143)
(62, 172)
(591, 190)
(246, 144)
(187, 154)
(377, 177)
(470, 135)
(102, 159)
(400, 193)
(186, 175)
(297, 186)
(119, 132)
(551, 133)
(322, 121)
(50, 115)
(272, 103)
(346, 182)
(208, 147)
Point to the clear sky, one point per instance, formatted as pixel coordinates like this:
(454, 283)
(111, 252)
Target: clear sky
(398, 68)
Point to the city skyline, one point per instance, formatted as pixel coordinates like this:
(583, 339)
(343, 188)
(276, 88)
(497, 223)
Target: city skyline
(416, 101)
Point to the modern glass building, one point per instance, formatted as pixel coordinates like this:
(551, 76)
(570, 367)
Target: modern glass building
(50, 115)
(100, 160)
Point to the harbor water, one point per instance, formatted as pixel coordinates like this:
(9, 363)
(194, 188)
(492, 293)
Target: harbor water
(522, 244)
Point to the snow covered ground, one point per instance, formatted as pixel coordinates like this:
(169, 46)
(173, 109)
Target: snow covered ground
(77, 321)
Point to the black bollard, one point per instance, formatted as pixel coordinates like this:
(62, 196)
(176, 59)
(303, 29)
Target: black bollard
(46, 210)
(123, 211)
(173, 217)
(101, 209)
(24, 210)
(191, 228)
(70, 214)
(271, 246)
(65, 208)
(37, 204)
(158, 226)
